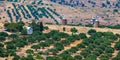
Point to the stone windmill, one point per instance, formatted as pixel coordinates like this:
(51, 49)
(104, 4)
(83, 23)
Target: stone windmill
(95, 22)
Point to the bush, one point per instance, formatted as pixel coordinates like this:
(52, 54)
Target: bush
(117, 46)
(53, 58)
(91, 31)
(29, 51)
(2, 38)
(91, 57)
(82, 35)
(78, 57)
(4, 34)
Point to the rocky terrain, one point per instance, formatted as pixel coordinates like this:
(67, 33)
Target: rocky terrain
(90, 3)
(50, 12)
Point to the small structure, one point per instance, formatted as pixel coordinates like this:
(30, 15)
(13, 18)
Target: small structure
(64, 22)
(94, 22)
(29, 30)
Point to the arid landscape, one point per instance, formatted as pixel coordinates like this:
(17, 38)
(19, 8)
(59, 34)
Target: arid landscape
(59, 30)
(74, 15)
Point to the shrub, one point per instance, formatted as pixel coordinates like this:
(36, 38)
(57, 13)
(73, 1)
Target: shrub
(91, 31)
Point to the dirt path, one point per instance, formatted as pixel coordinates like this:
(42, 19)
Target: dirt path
(8, 58)
(115, 51)
(23, 50)
(81, 29)
(71, 45)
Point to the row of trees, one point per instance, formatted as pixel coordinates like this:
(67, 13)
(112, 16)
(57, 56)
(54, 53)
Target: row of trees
(34, 10)
(14, 27)
(98, 44)
(17, 41)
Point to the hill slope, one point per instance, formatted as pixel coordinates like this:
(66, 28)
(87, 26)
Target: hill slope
(49, 12)
(28, 11)
(90, 3)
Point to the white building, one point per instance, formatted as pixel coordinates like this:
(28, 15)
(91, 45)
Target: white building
(29, 30)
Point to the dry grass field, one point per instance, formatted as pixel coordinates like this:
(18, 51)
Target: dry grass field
(81, 29)
(74, 15)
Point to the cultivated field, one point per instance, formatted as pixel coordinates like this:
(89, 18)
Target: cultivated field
(56, 45)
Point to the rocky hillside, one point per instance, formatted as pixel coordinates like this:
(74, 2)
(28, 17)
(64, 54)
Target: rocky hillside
(28, 10)
(50, 12)
(90, 3)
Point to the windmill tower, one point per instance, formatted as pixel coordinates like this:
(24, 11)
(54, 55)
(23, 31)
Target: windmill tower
(95, 22)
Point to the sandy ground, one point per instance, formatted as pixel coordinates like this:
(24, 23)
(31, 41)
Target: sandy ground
(81, 29)
(76, 14)
(71, 45)
(115, 51)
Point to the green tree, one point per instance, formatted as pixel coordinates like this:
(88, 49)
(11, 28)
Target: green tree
(82, 35)
(2, 38)
(13, 36)
(30, 57)
(14, 27)
(84, 53)
(109, 50)
(53, 58)
(35, 47)
(115, 11)
(104, 57)
(91, 57)
(41, 26)
(78, 57)
(73, 30)
(23, 58)
(58, 46)
(38, 57)
(63, 35)
(56, 37)
(67, 57)
(81, 45)
(20, 44)
(91, 31)
(1, 45)
(4, 34)
(54, 51)
(64, 29)
(34, 26)
(16, 57)
(96, 53)
(117, 46)
(24, 31)
(20, 26)
(11, 46)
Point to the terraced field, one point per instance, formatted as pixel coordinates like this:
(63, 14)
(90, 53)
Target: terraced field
(14, 12)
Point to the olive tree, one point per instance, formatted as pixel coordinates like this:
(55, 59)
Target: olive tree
(13, 36)
(91, 31)
(73, 30)
(78, 57)
(117, 46)
(2, 38)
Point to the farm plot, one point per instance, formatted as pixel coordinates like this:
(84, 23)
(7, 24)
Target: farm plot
(56, 45)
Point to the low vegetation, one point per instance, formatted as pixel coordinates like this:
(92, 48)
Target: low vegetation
(56, 45)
